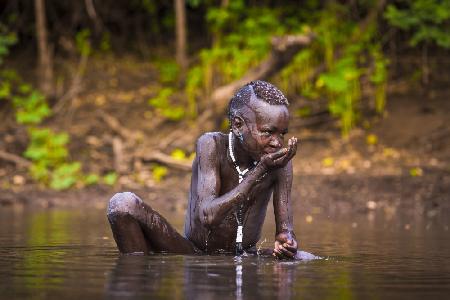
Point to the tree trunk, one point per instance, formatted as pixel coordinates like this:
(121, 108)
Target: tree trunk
(92, 13)
(180, 32)
(44, 54)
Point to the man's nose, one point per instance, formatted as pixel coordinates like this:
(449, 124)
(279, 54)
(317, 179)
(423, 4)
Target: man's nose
(276, 142)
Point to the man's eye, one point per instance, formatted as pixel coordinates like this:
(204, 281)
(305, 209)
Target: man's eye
(266, 133)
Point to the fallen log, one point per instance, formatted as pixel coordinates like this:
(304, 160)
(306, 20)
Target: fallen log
(284, 48)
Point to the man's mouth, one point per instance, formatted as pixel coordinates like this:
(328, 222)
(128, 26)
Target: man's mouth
(271, 150)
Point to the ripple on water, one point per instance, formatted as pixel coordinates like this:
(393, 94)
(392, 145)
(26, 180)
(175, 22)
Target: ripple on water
(53, 255)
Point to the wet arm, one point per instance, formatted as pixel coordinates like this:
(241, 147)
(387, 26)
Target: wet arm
(214, 208)
(282, 200)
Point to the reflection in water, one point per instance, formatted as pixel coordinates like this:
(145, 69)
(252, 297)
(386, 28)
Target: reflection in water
(71, 254)
(45, 229)
(238, 261)
(208, 277)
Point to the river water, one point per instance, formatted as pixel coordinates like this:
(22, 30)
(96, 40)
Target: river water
(70, 254)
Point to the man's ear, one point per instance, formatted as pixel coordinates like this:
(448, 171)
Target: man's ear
(237, 125)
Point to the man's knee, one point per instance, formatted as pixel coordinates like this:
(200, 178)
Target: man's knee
(123, 203)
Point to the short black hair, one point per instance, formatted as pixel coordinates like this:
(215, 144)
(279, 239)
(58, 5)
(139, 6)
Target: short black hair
(262, 90)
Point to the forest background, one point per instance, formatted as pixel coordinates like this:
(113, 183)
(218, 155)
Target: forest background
(98, 96)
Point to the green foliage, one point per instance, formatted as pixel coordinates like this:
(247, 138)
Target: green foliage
(47, 150)
(6, 41)
(82, 42)
(91, 179)
(415, 172)
(379, 78)
(296, 77)
(31, 106)
(241, 40)
(110, 178)
(168, 71)
(163, 106)
(6, 76)
(47, 146)
(178, 154)
(192, 90)
(342, 86)
(5, 89)
(359, 56)
(65, 175)
(341, 82)
(105, 43)
(159, 172)
(49, 155)
(427, 20)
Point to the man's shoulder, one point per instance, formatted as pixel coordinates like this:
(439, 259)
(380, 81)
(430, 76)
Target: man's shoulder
(210, 146)
(210, 140)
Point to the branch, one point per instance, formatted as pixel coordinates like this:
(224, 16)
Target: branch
(371, 17)
(75, 87)
(284, 49)
(90, 8)
(115, 125)
(183, 165)
(19, 161)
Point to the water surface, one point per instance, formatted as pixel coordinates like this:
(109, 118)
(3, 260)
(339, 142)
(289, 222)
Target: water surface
(70, 254)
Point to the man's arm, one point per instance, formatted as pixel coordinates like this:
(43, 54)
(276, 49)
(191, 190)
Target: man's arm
(285, 241)
(213, 208)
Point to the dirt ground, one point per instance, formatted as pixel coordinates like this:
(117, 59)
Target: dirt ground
(397, 162)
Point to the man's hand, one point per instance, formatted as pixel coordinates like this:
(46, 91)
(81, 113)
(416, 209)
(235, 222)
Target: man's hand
(285, 246)
(280, 158)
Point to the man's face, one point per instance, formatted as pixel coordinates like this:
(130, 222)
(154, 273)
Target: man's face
(264, 128)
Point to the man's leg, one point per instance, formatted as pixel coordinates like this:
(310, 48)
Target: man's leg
(137, 228)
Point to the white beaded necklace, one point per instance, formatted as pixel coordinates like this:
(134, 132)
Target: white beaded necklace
(230, 148)
(239, 217)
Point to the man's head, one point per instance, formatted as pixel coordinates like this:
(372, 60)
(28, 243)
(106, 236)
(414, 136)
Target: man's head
(259, 117)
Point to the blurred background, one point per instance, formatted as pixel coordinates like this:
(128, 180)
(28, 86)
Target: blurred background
(101, 96)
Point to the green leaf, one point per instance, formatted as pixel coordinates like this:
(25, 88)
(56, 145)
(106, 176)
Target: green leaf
(159, 172)
(174, 113)
(334, 82)
(5, 89)
(39, 172)
(82, 42)
(60, 139)
(168, 71)
(110, 178)
(178, 154)
(36, 153)
(162, 99)
(91, 179)
(65, 176)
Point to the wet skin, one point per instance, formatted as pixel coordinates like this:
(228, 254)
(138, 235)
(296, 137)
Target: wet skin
(215, 193)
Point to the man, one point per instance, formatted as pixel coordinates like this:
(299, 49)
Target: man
(233, 178)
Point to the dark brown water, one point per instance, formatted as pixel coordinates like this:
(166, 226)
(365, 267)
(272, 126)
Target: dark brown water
(70, 254)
